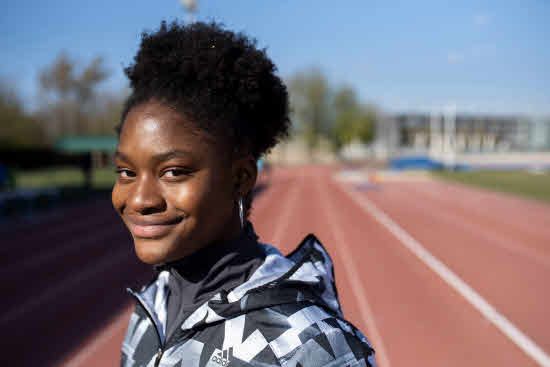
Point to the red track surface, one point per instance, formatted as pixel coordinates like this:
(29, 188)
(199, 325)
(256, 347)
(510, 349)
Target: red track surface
(66, 278)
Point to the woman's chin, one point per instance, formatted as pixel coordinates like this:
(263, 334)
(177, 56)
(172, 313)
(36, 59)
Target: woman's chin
(151, 251)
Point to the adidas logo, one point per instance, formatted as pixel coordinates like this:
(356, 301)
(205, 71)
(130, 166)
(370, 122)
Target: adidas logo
(222, 357)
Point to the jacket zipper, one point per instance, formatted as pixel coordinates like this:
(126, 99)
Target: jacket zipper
(148, 313)
(159, 356)
(167, 342)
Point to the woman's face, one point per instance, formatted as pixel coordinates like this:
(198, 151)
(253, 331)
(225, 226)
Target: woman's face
(176, 189)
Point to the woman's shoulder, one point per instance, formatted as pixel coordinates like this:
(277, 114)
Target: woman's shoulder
(301, 335)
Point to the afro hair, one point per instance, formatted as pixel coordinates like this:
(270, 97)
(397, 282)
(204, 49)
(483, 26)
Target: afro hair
(216, 78)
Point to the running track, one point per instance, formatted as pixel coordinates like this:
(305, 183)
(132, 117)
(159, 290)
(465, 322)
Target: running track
(413, 311)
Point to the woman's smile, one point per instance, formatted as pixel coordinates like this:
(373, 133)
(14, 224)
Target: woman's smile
(151, 226)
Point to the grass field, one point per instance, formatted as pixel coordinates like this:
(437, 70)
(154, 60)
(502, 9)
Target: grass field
(533, 185)
(103, 178)
(69, 185)
(523, 183)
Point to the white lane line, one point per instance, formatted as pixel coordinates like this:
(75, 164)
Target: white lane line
(48, 256)
(490, 237)
(526, 344)
(480, 211)
(286, 213)
(100, 340)
(260, 203)
(351, 269)
(495, 239)
(53, 229)
(72, 281)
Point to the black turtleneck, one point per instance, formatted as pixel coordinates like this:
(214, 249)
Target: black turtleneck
(196, 278)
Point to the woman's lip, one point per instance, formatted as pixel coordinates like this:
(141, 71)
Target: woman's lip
(149, 227)
(150, 231)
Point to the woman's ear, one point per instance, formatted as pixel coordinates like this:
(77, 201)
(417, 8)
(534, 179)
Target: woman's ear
(245, 172)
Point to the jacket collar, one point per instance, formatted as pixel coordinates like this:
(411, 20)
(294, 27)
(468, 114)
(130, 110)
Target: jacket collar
(305, 275)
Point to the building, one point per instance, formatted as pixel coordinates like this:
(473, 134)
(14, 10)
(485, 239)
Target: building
(450, 133)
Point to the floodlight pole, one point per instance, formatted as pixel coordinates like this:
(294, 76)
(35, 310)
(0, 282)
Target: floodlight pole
(435, 135)
(191, 8)
(450, 134)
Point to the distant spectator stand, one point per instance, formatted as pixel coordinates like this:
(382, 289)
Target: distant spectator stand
(98, 150)
(86, 152)
(99, 147)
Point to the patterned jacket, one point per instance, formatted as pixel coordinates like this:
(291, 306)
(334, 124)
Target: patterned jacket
(286, 314)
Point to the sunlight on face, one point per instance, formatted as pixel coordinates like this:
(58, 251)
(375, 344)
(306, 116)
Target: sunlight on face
(174, 189)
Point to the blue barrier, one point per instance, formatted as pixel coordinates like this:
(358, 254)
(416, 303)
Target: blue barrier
(415, 162)
(420, 162)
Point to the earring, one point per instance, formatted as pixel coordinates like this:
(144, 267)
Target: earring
(241, 211)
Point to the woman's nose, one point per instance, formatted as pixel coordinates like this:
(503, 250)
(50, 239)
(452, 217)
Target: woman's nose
(146, 198)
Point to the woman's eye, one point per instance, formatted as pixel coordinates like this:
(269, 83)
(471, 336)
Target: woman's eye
(125, 173)
(175, 172)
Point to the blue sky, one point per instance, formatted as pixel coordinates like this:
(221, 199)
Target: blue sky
(487, 57)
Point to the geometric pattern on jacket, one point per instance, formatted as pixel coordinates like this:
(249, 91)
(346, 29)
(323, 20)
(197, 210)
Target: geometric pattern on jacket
(286, 314)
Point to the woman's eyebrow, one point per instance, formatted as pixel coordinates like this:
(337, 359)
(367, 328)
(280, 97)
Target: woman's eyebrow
(171, 154)
(121, 156)
(157, 157)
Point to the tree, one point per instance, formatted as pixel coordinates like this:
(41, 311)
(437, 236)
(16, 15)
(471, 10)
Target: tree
(106, 112)
(353, 121)
(69, 94)
(17, 127)
(320, 110)
(309, 98)
(85, 90)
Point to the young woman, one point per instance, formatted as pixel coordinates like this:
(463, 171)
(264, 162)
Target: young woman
(206, 104)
